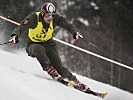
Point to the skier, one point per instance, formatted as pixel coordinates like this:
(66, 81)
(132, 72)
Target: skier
(40, 26)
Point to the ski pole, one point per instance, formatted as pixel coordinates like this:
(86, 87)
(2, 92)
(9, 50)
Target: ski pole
(5, 43)
(106, 51)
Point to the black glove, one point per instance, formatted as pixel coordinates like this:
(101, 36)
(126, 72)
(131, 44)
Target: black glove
(77, 35)
(13, 39)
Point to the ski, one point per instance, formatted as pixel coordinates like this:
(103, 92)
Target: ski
(85, 90)
(71, 84)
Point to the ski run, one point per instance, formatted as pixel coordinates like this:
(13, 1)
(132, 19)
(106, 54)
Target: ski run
(21, 78)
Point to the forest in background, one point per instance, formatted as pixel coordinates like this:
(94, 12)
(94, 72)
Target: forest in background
(106, 23)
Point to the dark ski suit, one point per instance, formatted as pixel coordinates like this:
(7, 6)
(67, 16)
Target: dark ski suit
(45, 51)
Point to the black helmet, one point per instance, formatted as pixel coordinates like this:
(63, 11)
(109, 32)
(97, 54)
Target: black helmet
(48, 8)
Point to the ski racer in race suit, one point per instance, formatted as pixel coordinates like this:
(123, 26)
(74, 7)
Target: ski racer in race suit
(40, 26)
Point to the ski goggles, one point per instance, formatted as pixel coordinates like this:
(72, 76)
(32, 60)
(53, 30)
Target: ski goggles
(49, 15)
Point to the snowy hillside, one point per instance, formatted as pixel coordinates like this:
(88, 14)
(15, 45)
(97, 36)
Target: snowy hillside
(21, 78)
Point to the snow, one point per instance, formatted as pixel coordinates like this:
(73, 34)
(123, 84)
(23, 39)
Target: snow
(32, 4)
(94, 5)
(21, 78)
(83, 21)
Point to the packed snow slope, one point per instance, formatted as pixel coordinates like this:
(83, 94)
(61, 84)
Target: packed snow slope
(21, 78)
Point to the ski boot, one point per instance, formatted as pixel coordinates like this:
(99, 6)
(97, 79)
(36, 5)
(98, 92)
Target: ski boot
(78, 85)
(53, 73)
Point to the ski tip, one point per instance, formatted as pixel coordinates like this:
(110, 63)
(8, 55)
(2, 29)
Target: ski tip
(104, 95)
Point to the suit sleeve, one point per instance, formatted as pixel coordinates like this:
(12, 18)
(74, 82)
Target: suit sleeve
(63, 23)
(29, 22)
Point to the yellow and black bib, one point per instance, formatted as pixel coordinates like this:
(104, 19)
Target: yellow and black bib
(39, 34)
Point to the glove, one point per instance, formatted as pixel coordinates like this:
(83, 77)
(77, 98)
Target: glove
(77, 35)
(13, 39)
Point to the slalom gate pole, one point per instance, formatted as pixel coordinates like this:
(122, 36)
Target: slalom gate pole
(78, 48)
(9, 20)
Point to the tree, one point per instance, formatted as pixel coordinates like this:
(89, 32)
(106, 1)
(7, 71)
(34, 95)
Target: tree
(110, 27)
